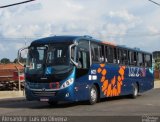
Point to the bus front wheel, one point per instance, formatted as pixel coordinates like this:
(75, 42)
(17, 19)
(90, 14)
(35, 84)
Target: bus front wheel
(93, 95)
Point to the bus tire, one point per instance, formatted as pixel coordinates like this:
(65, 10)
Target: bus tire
(52, 103)
(135, 91)
(93, 95)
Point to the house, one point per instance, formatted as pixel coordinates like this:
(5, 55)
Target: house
(9, 75)
(7, 71)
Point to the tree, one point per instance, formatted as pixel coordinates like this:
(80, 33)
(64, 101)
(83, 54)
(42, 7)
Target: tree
(157, 64)
(22, 60)
(15, 60)
(5, 60)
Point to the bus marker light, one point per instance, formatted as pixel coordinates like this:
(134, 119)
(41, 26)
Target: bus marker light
(87, 86)
(76, 88)
(93, 72)
(92, 77)
(67, 95)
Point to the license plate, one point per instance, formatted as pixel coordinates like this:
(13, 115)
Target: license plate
(44, 100)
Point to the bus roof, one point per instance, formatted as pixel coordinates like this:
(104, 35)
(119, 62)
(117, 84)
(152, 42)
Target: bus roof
(71, 39)
(54, 39)
(133, 49)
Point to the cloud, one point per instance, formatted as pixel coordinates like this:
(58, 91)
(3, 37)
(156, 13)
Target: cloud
(66, 17)
(74, 6)
(129, 23)
(124, 14)
(19, 45)
(33, 7)
(3, 48)
(154, 30)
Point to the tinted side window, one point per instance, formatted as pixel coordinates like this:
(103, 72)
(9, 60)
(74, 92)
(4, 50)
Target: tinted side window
(96, 52)
(115, 55)
(140, 59)
(84, 44)
(133, 58)
(148, 61)
(119, 56)
(123, 56)
(83, 54)
(109, 54)
(102, 54)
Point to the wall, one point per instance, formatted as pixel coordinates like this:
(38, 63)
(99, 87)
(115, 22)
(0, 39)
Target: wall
(157, 74)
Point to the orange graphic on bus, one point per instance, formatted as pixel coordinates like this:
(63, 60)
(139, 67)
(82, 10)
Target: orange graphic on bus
(112, 88)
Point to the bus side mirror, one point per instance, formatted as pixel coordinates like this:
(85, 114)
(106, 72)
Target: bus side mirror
(72, 54)
(22, 55)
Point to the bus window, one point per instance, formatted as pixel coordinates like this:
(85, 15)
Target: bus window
(83, 54)
(109, 54)
(119, 56)
(96, 53)
(115, 55)
(57, 55)
(83, 59)
(123, 57)
(140, 59)
(102, 54)
(143, 58)
(148, 61)
(133, 58)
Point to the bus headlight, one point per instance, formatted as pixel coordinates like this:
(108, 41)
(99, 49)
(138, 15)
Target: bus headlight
(67, 83)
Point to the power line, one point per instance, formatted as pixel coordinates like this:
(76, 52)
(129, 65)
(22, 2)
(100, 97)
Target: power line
(14, 4)
(154, 2)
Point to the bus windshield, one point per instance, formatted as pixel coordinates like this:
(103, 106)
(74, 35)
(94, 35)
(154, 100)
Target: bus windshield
(54, 57)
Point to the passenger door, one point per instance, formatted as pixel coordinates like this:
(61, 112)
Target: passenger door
(82, 70)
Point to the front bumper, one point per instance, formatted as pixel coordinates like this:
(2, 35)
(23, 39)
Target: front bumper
(66, 94)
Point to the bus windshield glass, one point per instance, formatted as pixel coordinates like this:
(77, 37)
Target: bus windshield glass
(54, 57)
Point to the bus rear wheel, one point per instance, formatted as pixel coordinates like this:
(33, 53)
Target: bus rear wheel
(93, 95)
(135, 91)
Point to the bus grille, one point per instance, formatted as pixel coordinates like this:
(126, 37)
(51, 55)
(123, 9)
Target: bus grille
(44, 93)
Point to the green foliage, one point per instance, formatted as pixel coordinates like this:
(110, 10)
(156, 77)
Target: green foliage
(15, 60)
(157, 60)
(157, 64)
(22, 60)
(5, 61)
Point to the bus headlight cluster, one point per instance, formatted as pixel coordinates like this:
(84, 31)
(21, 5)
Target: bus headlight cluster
(67, 83)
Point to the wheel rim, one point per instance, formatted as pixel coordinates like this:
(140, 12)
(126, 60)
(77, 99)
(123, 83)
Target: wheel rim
(135, 91)
(93, 94)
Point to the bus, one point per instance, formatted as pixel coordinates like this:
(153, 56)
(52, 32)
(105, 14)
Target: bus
(81, 68)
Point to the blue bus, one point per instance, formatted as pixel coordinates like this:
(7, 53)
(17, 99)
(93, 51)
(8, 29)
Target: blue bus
(81, 68)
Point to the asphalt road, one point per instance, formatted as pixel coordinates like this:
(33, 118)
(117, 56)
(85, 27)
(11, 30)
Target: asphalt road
(146, 104)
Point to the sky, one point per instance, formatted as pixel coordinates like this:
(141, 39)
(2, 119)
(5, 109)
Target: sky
(134, 23)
